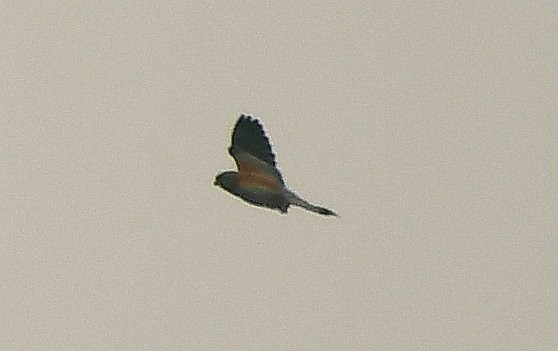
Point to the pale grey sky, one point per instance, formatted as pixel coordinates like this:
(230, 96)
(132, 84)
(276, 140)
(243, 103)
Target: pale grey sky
(429, 127)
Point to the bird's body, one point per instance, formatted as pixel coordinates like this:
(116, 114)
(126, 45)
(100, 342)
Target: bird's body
(258, 181)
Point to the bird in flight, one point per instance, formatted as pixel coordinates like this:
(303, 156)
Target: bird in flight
(258, 181)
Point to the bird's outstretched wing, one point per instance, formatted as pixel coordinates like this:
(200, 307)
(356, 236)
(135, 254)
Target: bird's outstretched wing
(252, 152)
(249, 136)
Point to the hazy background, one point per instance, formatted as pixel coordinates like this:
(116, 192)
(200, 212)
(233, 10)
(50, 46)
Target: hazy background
(430, 128)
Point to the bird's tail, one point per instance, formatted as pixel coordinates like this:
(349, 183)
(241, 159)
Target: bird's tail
(296, 200)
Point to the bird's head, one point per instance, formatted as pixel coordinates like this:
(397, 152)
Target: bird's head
(226, 180)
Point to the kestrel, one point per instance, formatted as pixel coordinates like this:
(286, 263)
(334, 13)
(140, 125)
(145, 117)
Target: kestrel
(258, 181)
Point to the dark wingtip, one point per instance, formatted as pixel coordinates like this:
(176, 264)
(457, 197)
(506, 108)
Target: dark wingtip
(249, 118)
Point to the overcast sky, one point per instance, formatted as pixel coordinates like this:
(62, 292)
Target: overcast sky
(429, 127)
